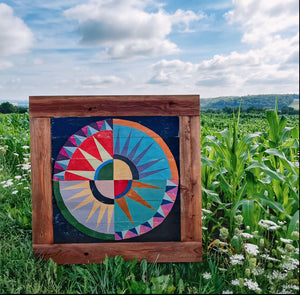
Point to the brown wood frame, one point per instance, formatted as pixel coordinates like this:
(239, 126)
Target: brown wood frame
(187, 107)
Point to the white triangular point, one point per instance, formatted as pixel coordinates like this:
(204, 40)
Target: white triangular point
(167, 198)
(91, 131)
(102, 151)
(70, 150)
(161, 212)
(79, 139)
(124, 232)
(105, 126)
(60, 175)
(138, 228)
(171, 183)
(94, 162)
(64, 163)
(150, 221)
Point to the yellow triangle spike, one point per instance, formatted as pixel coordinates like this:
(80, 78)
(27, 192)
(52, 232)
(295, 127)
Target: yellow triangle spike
(101, 213)
(94, 162)
(80, 194)
(86, 201)
(83, 184)
(109, 216)
(93, 210)
(102, 151)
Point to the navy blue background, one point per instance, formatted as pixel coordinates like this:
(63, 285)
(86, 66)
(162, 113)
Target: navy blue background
(167, 127)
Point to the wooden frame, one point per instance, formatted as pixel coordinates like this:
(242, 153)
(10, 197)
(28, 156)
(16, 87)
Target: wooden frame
(187, 107)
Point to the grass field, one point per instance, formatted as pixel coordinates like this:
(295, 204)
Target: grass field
(250, 200)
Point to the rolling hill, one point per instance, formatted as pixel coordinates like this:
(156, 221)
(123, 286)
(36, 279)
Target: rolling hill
(259, 101)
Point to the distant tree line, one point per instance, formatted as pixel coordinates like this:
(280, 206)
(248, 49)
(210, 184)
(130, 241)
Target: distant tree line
(8, 108)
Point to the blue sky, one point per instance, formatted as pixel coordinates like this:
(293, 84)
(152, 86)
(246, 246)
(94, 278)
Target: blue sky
(114, 47)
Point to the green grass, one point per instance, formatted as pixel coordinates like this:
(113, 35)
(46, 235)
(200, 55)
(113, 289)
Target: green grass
(250, 218)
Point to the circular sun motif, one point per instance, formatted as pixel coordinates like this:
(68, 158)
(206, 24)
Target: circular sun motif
(115, 179)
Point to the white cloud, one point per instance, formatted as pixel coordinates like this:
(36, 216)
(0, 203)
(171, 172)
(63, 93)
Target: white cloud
(126, 28)
(264, 20)
(15, 36)
(99, 81)
(270, 65)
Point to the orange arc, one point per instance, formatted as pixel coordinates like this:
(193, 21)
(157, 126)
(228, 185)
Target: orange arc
(157, 138)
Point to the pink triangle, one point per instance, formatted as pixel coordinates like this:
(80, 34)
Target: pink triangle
(172, 191)
(175, 181)
(117, 237)
(167, 208)
(85, 130)
(144, 229)
(100, 123)
(172, 196)
(157, 221)
(129, 235)
(58, 166)
(64, 153)
(73, 140)
(56, 178)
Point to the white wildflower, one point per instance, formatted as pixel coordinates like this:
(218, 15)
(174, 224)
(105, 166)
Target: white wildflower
(235, 282)
(291, 286)
(206, 211)
(8, 183)
(284, 291)
(251, 249)
(25, 166)
(258, 271)
(252, 285)
(227, 292)
(25, 147)
(277, 275)
(281, 250)
(268, 224)
(291, 264)
(18, 177)
(281, 222)
(286, 240)
(268, 257)
(204, 228)
(26, 187)
(14, 192)
(16, 154)
(247, 235)
(237, 259)
(206, 275)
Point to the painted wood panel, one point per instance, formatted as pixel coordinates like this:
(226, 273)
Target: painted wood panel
(116, 179)
(142, 156)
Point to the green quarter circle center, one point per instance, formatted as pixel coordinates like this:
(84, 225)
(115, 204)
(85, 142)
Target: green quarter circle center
(105, 171)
